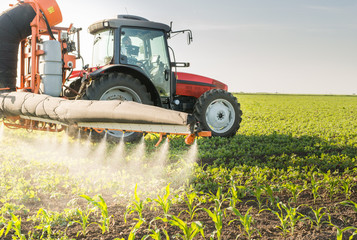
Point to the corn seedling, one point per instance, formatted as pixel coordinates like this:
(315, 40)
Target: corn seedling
(246, 221)
(15, 224)
(134, 230)
(83, 220)
(319, 213)
(331, 184)
(350, 203)
(295, 190)
(293, 216)
(315, 185)
(2, 225)
(45, 222)
(164, 201)
(137, 205)
(189, 200)
(188, 232)
(219, 198)
(156, 234)
(217, 218)
(235, 194)
(283, 218)
(257, 192)
(340, 232)
(269, 191)
(102, 206)
(346, 186)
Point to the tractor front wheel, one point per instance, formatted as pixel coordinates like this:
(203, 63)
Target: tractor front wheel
(219, 112)
(118, 86)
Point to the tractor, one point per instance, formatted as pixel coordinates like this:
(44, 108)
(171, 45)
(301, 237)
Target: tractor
(133, 65)
(132, 62)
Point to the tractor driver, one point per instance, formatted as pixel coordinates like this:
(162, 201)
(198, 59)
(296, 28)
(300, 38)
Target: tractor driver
(129, 54)
(125, 43)
(128, 51)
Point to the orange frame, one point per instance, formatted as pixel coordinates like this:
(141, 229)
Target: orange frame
(29, 69)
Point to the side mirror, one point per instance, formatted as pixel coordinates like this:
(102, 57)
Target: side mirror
(189, 37)
(189, 34)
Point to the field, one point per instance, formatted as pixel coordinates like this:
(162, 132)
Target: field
(289, 173)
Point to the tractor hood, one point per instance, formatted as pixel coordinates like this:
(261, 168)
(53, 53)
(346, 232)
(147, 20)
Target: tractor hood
(195, 85)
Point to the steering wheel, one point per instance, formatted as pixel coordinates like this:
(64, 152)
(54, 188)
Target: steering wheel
(144, 64)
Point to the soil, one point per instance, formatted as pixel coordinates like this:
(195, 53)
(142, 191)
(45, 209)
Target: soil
(265, 222)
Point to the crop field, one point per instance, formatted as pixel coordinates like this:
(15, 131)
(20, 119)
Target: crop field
(289, 173)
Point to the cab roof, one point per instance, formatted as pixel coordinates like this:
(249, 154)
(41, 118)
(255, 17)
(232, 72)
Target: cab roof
(127, 21)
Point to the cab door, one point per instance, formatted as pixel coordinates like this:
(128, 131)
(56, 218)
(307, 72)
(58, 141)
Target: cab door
(147, 48)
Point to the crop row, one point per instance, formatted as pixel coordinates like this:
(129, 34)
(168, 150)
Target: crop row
(221, 208)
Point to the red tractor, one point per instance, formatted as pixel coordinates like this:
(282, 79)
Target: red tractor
(131, 61)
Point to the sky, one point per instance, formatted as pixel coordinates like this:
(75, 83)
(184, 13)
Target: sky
(271, 46)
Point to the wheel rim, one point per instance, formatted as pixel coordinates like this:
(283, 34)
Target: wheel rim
(124, 94)
(220, 115)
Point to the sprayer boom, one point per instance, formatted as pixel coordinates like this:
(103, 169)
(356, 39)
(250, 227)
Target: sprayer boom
(46, 113)
(99, 127)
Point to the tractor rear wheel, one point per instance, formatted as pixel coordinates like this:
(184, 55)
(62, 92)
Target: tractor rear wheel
(118, 86)
(219, 112)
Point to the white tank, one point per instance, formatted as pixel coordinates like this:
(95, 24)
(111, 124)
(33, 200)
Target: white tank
(50, 68)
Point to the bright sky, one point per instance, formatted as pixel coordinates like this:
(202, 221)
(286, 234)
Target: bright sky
(284, 46)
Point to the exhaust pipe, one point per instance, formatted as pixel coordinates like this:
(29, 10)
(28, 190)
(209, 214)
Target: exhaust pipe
(14, 27)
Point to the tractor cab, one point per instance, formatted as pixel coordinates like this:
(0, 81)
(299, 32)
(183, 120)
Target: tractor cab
(135, 44)
(131, 55)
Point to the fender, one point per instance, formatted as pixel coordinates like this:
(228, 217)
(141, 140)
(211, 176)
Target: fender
(136, 72)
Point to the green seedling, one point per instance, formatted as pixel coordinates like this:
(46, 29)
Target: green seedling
(350, 203)
(246, 221)
(293, 216)
(347, 186)
(2, 225)
(164, 201)
(190, 200)
(102, 206)
(284, 224)
(15, 224)
(257, 192)
(269, 191)
(318, 216)
(188, 232)
(331, 184)
(315, 185)
(295, 190)
(137, 205)
(133, 231)
(339, 231)
(156, 234)
(83, 220)
(235, 195)
(45, 222)
(217, 218)
(219, 198)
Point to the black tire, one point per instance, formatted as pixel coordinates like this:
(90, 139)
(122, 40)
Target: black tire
(118, 86)
(219, 112)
